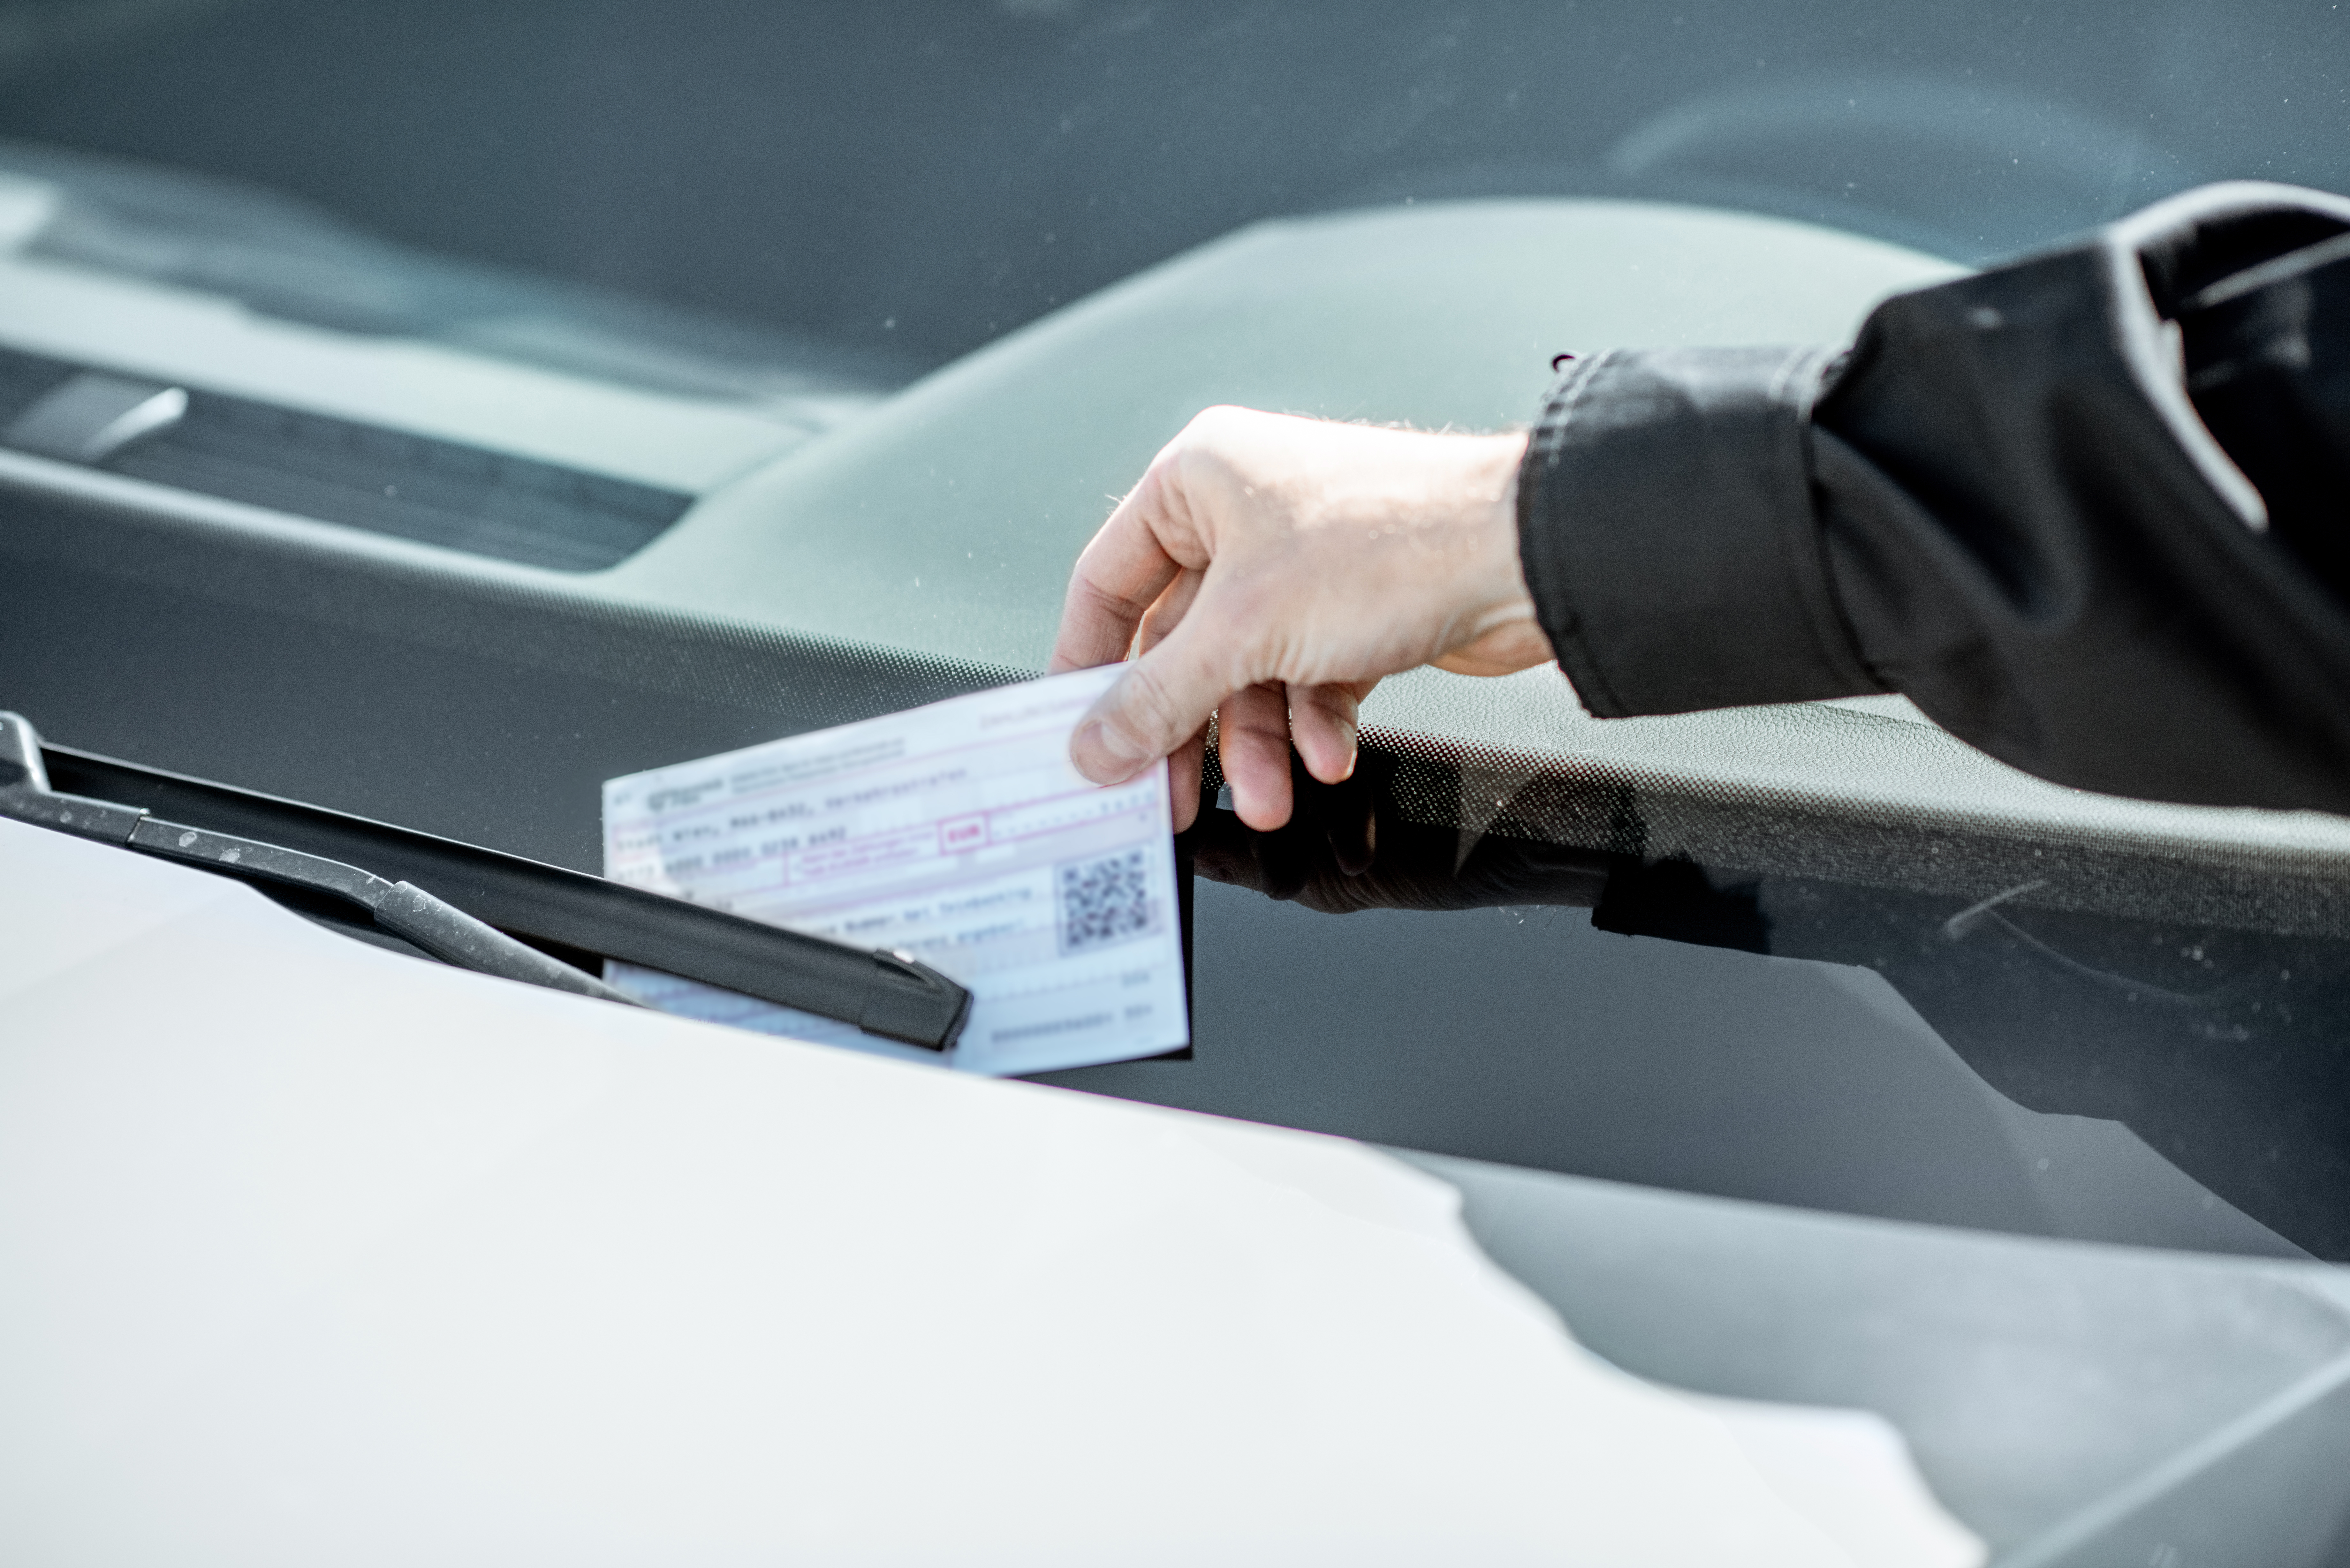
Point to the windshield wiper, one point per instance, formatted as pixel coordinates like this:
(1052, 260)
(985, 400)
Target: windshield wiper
(481, 900)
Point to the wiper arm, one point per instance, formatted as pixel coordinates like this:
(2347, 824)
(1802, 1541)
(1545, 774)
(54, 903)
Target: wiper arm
(403, 908)
(481, 894)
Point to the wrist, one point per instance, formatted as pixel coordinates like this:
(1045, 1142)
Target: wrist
(1501, 579)
(1498, 630)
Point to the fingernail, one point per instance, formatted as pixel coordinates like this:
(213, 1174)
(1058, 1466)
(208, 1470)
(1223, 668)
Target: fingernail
(1102, 754)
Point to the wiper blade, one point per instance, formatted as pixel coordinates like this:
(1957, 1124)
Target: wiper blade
(481, 899)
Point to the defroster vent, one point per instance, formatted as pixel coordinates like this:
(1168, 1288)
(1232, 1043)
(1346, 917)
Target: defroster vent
(336, 471)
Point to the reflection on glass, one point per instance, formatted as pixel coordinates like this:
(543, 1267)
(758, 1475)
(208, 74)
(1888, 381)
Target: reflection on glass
(2001, 1060)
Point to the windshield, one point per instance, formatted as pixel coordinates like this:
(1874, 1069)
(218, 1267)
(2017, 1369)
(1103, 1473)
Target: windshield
(430, 410)
(887, 186)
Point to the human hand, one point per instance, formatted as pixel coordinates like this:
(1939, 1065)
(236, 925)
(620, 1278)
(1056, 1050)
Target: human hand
(1270, 570)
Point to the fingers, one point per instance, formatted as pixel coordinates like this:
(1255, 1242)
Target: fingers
(1253, 742)
(1258, 548)
(1168, 611)
(1163, 699)
(1185, 763)
(1183, 770)
(1117, 578)
(1322, 721)
(1098, 621)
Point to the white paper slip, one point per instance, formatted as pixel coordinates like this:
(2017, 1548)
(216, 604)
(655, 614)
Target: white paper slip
(958, 833)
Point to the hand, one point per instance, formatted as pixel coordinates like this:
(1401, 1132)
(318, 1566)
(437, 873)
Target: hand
(1269, 570)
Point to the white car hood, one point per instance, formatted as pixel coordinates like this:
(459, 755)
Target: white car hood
(318, 1253)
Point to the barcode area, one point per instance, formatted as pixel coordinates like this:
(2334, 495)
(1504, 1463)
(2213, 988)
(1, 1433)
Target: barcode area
(1104, 901)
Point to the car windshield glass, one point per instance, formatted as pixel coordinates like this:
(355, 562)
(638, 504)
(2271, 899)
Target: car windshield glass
(879, 189)
(430, 409)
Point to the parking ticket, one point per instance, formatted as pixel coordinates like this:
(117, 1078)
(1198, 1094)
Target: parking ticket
(958, 833)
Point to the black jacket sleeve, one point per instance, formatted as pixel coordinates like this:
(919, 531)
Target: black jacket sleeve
(2090, 512)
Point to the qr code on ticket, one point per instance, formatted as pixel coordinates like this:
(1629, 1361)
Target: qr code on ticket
(1104, 901)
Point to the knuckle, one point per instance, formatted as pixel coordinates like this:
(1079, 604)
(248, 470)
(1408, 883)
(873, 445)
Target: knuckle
(1254, 720)
(1216, 437)
(1109, 601)
(1214, 418)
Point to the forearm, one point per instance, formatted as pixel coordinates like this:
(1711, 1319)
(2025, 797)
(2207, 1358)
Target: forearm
(1668, 533)
(2002, 504)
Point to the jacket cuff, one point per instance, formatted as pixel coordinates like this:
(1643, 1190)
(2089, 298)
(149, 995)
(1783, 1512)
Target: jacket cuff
(1667, 530)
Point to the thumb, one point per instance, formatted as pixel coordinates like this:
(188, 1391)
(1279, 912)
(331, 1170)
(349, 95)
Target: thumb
(1163, 701)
